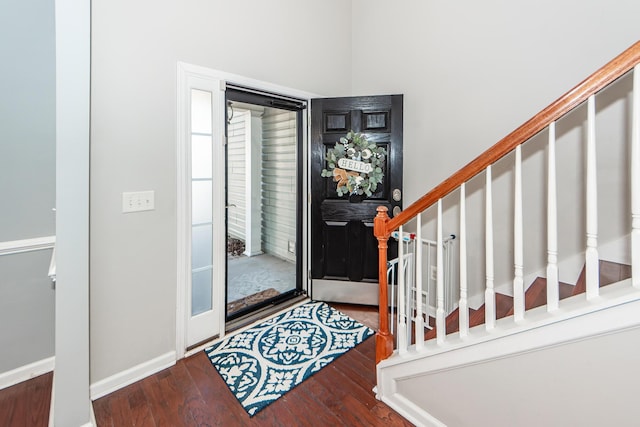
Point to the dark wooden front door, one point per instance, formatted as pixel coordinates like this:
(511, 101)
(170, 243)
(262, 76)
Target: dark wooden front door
(343, 247)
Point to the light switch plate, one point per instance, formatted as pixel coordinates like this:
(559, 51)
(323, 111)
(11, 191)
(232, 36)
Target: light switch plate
(136, 201)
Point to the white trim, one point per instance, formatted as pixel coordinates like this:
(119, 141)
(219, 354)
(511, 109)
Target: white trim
(576, 320)
(27, 245)
(185, 70)
(412, 412)
(129, 376)
(92, 415)
(26, 372)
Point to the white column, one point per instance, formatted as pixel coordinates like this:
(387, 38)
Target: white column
(441, 331)
(72, 406)
(552, 225)
(635, 180)
(591, 256)
(253, 191)
(419, 320)
(489, 293)
(518, 241)
(463, 307)
(402, 314)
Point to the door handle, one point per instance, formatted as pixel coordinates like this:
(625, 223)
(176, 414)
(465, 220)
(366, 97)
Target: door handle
(396, 210)
(230, 206)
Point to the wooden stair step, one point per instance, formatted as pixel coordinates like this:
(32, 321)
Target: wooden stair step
(565, 290)
(610, 272)
(535, 296)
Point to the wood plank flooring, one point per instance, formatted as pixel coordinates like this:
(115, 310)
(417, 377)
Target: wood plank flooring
(191, 393)
(26, 404)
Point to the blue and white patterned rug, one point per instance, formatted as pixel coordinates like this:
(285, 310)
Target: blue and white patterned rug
(264, 362)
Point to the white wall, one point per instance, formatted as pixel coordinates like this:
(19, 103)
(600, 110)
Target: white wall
(586, 383)
(135, 47)
(471, 73)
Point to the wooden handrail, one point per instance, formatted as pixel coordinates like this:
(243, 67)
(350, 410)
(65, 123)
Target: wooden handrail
(592, 84)
(384, 226)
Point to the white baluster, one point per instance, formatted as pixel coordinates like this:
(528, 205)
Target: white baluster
(409, 286)
(489, 293)
(419, 321)
(441, 331)
(463, 307)
(552, 225)
(402, 317)
(635, 180)
(591, 256)
(518, 242)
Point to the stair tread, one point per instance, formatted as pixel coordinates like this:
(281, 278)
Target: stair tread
(535, 296)
(610, 272)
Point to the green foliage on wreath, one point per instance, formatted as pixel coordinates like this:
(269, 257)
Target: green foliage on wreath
(355, 146)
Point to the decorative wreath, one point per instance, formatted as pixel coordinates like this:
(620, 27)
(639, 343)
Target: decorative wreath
(355, 164)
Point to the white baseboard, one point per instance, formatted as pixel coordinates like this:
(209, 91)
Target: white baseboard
(129, 376)
(412, 412)
(26, 372)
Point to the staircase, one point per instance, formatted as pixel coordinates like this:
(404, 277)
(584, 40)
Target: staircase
(535, 296)
(536, 342)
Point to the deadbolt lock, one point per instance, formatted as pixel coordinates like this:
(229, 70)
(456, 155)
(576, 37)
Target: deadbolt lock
(397, 195)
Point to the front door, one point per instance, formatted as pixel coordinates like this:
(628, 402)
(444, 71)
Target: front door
(356, 166)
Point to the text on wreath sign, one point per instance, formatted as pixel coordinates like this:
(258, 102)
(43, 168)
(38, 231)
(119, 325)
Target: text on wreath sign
(355, 165)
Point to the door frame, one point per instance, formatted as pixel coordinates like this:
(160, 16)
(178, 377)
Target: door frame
(219, 80)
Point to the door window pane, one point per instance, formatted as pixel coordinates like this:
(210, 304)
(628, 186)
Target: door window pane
(201, 292)
(200, 111)
(201, 202)
(201, 255)
(201, 156)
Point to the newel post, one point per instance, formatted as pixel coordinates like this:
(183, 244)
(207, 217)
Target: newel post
(384, 340)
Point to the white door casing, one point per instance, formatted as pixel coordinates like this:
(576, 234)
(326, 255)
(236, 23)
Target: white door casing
(192, 330)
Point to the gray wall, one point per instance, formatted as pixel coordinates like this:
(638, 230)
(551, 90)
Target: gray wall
(27, 178)
(586, 383)
(135, 48)
(27, 303)
(489, 66)
(472, 72)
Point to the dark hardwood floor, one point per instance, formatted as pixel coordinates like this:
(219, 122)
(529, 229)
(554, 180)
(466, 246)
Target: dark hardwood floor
(26, 404)
(191, 393)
